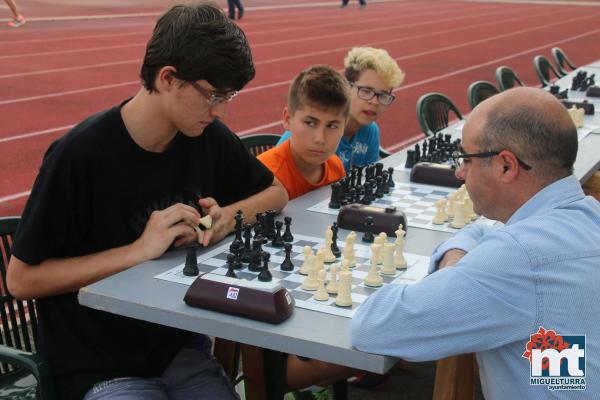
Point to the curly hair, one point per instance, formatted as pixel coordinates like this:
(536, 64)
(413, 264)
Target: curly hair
(359, 59)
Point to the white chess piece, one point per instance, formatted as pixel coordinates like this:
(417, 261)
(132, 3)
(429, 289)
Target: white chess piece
(399, 260)
(345, 265)
(329, 256)
(440, 216)
(373, 278)
(349, 249)
(344, 297)
(305, 267)
(320, 257)
(388, 267)
(576, 115)
(459, 215)
(333, 285)
(378, 240)
(469, 212)
(383, 240)
(451, 204)
(311, 283)
(321, 294)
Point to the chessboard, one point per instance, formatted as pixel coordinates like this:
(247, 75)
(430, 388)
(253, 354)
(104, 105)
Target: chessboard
(215, 262)
(417, 201)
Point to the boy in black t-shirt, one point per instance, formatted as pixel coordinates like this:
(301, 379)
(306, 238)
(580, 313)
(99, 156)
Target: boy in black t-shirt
(121, 188)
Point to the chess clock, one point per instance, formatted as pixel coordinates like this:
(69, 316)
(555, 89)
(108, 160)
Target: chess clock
(435, 174)
(352, 217)
(262, 301)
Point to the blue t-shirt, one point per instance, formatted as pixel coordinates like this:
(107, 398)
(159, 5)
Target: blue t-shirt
(362, 150)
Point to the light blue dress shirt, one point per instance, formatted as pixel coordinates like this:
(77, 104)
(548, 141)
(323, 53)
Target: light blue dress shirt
(361, 151)
(540, 269)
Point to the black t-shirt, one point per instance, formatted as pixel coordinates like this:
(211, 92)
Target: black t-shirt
(95, 191)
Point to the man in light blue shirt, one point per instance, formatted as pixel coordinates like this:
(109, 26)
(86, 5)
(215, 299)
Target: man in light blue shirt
(540, 269)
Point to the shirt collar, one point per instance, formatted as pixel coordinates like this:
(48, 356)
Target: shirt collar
(563, 191)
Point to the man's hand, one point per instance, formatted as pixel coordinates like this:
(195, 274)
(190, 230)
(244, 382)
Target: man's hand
(173, 224)
(222, 221)
(451, 257)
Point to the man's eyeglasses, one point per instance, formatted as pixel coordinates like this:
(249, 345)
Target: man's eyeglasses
(458, 158)
(367, 93)
(213, 98)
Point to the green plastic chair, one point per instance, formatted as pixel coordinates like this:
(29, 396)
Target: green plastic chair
(479, 91)
(260, 142)
(383, 153)
(23, 374)
(433, 112)
(543, 69)
(507, 78)
(562, 61)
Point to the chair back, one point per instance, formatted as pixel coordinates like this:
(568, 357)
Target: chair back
(507, 78)
(543, 69)
(18, 319)
(433, 112)
(479, 91)
(562, 61)
(260, 142)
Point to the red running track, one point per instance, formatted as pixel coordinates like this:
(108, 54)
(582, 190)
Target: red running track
(69, 62)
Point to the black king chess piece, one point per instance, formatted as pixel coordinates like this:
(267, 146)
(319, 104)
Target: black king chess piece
(191, 262)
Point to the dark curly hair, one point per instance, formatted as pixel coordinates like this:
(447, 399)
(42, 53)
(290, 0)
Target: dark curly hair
(201, 43)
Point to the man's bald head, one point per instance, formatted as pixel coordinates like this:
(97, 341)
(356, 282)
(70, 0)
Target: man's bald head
(534, 125)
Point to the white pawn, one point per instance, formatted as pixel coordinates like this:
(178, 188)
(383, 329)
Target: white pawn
(440, 216)
(321, 294)
(333, 285)
(388, 267)
(329, 256)
(344, 297)
(459, 215)
(305, 265)
(320, 257)
(373, 278)
(311, 283)
(469, 211)
(399, 260)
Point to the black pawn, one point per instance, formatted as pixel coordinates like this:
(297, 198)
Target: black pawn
(287, 235)
(231, 266)
(237, 262)
(191, 262)
(334, 247)
(368, 236)
(287, 264)
(390, 182)
(265, 274)
(278, 240)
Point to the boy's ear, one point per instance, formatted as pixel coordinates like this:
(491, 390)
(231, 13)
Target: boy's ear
(286, 118)
(166, 78)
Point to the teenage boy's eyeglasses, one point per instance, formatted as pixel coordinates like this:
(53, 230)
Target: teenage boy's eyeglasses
(213, 98)
(458, 158)
(367, 93)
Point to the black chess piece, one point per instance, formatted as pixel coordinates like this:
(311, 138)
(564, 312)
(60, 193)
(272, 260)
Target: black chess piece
(359, 175)
(239, 223)
(287, 264)
(379, 190)
(278, 240)
(334, 247)
(378, 169)
(231, 266)
(191, 262)
(410, 159)
(237, 251)
(265, 274)
(336, 198)
(270, 222)
(368, 236)
(391, 182)
(287, 235)
(417, 156)
(384, 182)
(257, 251)
(247, 250)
